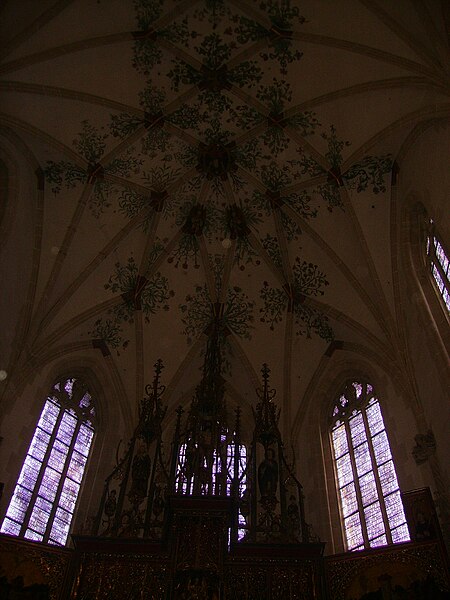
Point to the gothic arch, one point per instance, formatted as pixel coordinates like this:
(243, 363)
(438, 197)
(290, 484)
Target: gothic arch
(49, 485)
(344, 366)
(419, 278)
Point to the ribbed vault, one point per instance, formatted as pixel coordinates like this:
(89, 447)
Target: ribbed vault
(213, 159)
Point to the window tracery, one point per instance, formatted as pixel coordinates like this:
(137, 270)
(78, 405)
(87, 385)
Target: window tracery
(438, 263)
(370, 503)
(44, 499)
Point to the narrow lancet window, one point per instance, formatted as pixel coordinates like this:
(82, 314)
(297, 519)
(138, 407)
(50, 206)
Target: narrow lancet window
(371, 508)
(44, 499)
(438, 262)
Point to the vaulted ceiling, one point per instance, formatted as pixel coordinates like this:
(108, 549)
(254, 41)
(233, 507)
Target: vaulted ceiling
(211, 159)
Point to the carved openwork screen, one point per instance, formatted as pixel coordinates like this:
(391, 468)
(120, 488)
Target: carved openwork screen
(371, 508)
(439, 265)
(44, 499)
(223, 475)
(222, 469)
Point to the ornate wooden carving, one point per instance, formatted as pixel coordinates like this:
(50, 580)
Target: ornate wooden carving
(50, 565)
(424, 559)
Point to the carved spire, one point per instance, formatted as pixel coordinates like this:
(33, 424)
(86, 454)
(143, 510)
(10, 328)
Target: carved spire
(151, 411)
(266, 413)
(210, 391)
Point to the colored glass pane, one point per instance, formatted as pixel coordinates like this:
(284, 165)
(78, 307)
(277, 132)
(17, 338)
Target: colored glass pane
(368, 488)
(371, 506)
(344, 470)
(353, 531)
(357, 429)
(52, 472)
(381, 448)
(348, 499)
(339, 441)
(362, 459)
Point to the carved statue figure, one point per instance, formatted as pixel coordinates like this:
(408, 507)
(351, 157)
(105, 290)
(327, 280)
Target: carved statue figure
(140, 472)
(111, 504)
(158, 502)
(268, 475)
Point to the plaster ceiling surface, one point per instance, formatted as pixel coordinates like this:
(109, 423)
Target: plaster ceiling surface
(213, 159)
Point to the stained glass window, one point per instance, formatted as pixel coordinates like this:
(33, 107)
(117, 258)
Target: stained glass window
(439, 265)
(44, 499)
(371, 507)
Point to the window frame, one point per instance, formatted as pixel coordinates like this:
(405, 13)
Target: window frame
(68, 400)
(343, 414)
(436, 268)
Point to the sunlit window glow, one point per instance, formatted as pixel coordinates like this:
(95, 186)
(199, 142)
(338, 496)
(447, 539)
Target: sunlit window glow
(439, 266)
(223, 477)
(44, 499)
(371, 506)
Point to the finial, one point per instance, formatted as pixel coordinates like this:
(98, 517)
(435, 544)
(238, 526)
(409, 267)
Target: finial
(265, 373)
(158, 366)
(266, 414)
(151, 411)
(156, 390)
(265, 393)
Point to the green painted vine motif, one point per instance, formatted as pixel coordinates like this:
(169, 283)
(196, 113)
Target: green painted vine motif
(147, 53)
(63, 173)
(284, 17)
(235, 224)
(272, 247)
(276, 97)
(370, 172)
(212, 11)
(213, 117)
(137, 293)
(199, 311)
(157, 179)
(125, 280)
(156, 138)
(308, 281)
(110, 331)
(277, 178)
(187, 252)
(90, 143)
(275, 303)
(309, 320)
(214, 53)
(216, 263)
(290, 227)
(131, 203)
(194, 220)
(155, 251)
(217, 158)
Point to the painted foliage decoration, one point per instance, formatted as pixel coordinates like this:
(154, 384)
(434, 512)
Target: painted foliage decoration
(223, 150)
(235, 313)
(308, 281)
(90, 145)
(134, 292)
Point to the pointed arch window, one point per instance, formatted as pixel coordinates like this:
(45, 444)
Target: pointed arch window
(371, 508)
(46, 493)
(439, 264)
